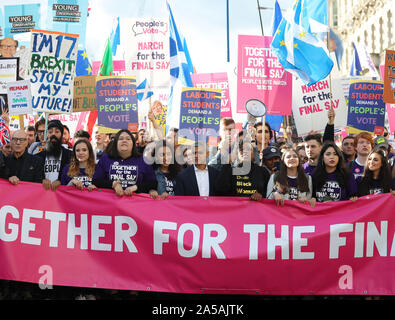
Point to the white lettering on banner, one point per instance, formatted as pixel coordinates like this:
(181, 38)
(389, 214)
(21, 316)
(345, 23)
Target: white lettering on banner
(298, 242)
(37, 227)
(209, 242)
(27, 228)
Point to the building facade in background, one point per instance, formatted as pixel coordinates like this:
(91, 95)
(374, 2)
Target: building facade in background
(370, 22)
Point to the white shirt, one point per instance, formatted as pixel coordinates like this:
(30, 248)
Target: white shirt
(203, 181)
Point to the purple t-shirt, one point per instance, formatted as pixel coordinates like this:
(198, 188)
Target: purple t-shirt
(357, 170)
(129, 172)
(309, 169)
(293, 190)
(82, 176)
(332, 191)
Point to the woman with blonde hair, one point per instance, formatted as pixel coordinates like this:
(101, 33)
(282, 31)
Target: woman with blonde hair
(79, 172)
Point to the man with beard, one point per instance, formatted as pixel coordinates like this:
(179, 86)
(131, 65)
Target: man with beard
(55, 156)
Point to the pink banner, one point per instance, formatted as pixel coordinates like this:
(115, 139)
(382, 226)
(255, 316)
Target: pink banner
(217, 80)
(117, 65)
(229, 245)
(261, 76)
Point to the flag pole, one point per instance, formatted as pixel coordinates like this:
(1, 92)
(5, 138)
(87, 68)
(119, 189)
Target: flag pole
(263, 118)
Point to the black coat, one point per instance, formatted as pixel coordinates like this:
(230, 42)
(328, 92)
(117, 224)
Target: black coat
(27, 168)
(186, 183)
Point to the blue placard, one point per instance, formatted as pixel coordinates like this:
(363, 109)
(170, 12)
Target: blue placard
(21, 18)
(200, 113)
(366, 109)
(69, 16)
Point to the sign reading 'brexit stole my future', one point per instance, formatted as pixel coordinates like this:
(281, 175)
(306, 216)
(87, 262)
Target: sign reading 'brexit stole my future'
(200, 112)
(116, 99)
(52, 70)
(366, 109)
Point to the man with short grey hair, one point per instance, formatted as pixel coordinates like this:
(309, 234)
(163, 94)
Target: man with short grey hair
(22, 166)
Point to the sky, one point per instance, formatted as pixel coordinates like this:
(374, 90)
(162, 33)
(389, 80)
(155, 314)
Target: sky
(202, 23)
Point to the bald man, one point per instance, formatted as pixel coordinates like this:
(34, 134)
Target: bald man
(22, 166)
(8, 47)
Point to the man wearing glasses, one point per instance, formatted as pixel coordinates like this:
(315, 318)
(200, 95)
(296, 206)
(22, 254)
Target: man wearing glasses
(22, 166)
(8, 47)
(39, 145)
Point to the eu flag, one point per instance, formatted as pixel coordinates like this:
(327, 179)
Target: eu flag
(299, 51)
(83, 66)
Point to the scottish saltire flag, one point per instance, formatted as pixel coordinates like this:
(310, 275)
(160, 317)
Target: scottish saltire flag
(316, 15)
(143, 91)
(180, 61)
(299, 51)
(4, 133)
(115, 38)
(277, 17)
(356, 69)
(83, 66)
(180, 72)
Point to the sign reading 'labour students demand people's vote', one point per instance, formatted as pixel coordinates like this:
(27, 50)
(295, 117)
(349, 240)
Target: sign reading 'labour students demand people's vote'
(366, 109)
(200, 113)
(116, 99)
(52, 70)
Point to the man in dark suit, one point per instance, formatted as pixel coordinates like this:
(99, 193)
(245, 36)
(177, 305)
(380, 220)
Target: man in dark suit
(22, 166)
(55, 156)
(198, 179)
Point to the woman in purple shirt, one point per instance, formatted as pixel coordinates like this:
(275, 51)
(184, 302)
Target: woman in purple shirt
(332, 181)
(123, 168)
(376, 178)
(80, 171)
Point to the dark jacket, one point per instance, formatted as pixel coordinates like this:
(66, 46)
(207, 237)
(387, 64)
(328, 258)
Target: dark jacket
(27, 167)
(66, 154)
(233, 185)
(186, 183)
(3, 168)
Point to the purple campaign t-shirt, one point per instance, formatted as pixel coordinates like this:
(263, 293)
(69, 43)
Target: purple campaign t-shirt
(332, 191)
(293, 190)
(82, 176)
(357, 170)
(129, 172)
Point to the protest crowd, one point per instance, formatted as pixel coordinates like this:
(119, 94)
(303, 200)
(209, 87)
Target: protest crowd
(254, 162)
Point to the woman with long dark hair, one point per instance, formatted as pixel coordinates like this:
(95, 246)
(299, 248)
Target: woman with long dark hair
(331, 179)
(79, 172)
(290, 182)
(166, 170)
(123, 168)
(376, 177)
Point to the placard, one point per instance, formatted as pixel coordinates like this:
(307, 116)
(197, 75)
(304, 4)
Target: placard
(389, 77)
(366, 109)
(260, 76)
(52, 70)
(116, 99)
(84, 94)
(147, 52)
(310, 105)
(219, 81)
(199, 114)
(19, 97)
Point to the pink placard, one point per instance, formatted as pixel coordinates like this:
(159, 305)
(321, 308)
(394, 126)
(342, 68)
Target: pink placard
(217, 80)
(117, 65)
(260, 76)
(229, 245)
